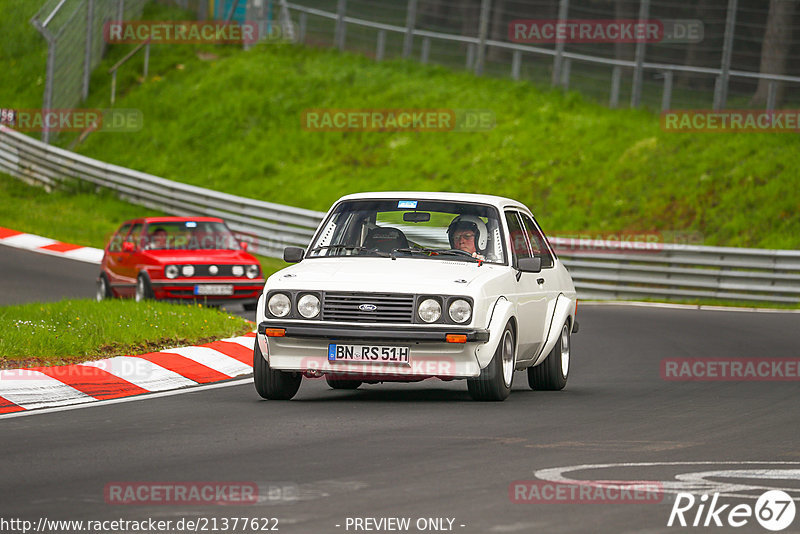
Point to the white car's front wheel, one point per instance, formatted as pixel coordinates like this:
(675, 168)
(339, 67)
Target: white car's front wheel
(494, 382)
(270, 383)
(552, 373)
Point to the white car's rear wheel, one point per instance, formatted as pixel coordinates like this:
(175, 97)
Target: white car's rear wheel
(270, 383)
(552, 373)
(494, 382)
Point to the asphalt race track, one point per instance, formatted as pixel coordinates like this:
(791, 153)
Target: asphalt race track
(424, 450)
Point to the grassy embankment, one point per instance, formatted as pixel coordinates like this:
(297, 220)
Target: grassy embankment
(72, 331)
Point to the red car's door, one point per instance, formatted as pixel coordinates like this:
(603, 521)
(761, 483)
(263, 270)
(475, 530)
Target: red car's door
(114, 256)
(130, 259)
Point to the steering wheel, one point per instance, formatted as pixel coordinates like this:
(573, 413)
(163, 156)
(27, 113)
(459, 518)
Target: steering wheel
(464, 252)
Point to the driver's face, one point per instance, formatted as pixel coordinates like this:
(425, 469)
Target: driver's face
(465, 240)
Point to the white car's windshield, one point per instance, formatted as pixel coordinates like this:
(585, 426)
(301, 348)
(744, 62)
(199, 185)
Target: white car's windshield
(428, 229)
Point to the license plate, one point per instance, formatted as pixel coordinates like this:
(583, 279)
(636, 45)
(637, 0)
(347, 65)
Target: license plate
(367, 353)
(214, 289)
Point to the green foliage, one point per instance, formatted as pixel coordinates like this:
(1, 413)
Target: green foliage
(233, 124)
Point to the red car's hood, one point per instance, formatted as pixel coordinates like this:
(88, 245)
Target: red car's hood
(199, 256)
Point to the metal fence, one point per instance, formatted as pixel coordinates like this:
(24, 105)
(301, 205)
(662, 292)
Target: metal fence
(623, 270)
(746, 57)
(73, 30)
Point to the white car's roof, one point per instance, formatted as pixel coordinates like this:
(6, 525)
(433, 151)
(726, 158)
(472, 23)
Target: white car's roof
(499, 202)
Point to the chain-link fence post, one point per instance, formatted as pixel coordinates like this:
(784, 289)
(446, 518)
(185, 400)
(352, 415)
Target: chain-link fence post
(87, 60)
(483, 29)
(563, 11)
(721, 92)
(638, 70)
(339, 36)
(411, 20)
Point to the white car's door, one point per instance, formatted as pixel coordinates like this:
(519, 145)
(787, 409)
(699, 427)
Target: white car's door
(548, 279)
(530, 294)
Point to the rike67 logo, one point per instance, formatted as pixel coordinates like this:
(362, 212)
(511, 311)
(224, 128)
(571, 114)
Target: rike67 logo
(774, 510)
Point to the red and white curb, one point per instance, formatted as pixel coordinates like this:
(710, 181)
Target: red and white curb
(125, 376)
(45, 245)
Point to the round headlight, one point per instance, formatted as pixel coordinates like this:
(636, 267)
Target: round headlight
(252, 271)
(213, 269)
(188, 270)
(430, 310)
(460, 311)
(171, 271)
(308, 306)
(279, 305)
(237, 270)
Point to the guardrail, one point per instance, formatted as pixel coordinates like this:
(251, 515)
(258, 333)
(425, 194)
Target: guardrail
(615, 270)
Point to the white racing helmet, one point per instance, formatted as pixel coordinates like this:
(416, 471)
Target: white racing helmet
(475, 224)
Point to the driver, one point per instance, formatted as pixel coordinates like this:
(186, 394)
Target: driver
(158, 239)
(468, 233)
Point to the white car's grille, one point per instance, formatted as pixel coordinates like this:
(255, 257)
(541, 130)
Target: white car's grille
(368, 307)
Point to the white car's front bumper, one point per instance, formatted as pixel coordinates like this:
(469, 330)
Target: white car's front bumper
(305, 349)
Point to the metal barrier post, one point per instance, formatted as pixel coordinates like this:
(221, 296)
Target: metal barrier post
(516, 63)
(426, 50)
(772, 95)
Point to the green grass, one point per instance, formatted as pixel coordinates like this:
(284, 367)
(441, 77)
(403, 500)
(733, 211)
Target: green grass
(77, 330)
(24, 56)
(233, 124)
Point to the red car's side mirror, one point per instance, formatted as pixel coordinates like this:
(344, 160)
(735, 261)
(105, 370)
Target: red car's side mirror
(243, 244)
(127, 246)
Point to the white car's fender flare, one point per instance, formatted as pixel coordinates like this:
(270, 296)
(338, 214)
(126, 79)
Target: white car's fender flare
(499, 316)
(260, 338)
(561, 313)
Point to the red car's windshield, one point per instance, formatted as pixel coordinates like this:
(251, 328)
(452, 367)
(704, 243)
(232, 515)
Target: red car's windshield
(188, 235)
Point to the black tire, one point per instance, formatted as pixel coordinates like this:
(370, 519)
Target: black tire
(494, 382)
(273, 384)
(250, 306)
(552, 373)
(336, 383)
(103, 288)
(144, 291)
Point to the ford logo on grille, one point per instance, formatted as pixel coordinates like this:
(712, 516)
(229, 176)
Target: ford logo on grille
(367, 307)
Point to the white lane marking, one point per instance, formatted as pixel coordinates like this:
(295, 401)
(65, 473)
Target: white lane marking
(129, 399)
(32, 389)
(87, 254)
(703, 307)
(690, 482)
(246, 342)
(213, 359)
(142, 373)
(28, 241)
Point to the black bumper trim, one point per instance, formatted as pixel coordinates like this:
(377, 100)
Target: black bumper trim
(575, 327)
(340, 332)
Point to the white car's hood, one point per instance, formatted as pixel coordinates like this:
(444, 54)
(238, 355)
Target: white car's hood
(403, 275)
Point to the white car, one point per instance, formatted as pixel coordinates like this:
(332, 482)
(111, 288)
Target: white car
(404, 286)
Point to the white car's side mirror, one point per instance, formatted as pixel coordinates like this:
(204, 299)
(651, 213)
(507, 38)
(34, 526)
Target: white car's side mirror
(529, 265)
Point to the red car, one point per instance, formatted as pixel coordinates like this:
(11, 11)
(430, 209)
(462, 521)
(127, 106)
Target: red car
(180, 259)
